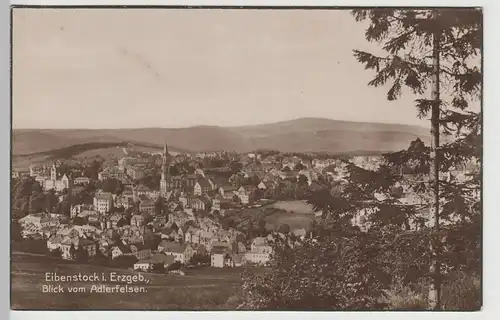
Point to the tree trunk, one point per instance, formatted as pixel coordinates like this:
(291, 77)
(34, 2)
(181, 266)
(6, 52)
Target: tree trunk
(435, 290)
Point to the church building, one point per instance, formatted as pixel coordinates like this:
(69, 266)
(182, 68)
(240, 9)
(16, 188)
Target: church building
(49, 183)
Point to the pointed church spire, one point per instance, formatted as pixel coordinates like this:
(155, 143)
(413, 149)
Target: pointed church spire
(164, 170)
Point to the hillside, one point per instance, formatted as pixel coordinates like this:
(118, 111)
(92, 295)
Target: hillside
(306, 134)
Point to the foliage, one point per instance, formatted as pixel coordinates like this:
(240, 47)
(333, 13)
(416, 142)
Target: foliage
(461, 292)
(174, 266)
(79, 221)
(200, 259)
(319, 275)
(158, 268)
(30, 246)
(111, 185)
(123, 261)
(57, 253)
(284, 228)
(358, 264)
(15, 230)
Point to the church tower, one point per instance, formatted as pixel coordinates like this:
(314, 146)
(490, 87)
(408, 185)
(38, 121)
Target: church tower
(164, 172)
(53, 172)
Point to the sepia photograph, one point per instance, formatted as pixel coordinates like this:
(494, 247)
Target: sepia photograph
(246, 158)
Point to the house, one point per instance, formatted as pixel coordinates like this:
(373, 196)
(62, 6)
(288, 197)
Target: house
(143, 265)
(75, 190)
(243, 195)
(181, 252)
(241, 248)
(81, 180)
(227, 191)
(140, 251)
(111, 173)
(119, 250)
(161, 258)
(256, 258)
(300, 233)
(175, 183)
(137, 220)
(260, 244)
(221, 258)
(197, 204)
(54, 242)
(238, 259)
(190, 181)
(260, 252)
(142, 190)
(262, 186)
(136, 172)
(77, 244)
(170, 234)
(202, 186)
(156, 259)
(218, 245)
(36, 170)
(103, 202)
(189, 234)
(146, 205)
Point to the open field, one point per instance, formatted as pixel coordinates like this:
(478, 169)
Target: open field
(200, 289)
(297, 214)
(297, 206)
(111, 152)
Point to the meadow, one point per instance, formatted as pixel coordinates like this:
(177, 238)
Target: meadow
(297, 206)
(200, 289)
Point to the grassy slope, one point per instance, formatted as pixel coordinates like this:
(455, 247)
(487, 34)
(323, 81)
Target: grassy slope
(308, 134)
(206, 288)
(296, 214)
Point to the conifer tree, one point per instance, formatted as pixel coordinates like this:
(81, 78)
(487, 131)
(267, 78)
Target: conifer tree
(351, 264)
(436, 50)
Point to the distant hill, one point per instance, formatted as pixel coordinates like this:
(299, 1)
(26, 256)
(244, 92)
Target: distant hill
(300, 135)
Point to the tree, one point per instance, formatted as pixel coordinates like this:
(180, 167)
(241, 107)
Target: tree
(15, 230)
(50, 201)
(57, 253)
(299, 166)
(72, 252)
(303, 181)
(198, 259)
(124, 261)
(439, 49)
(327, 275)
(174, 266)
(350, 265)
(284, 228)
(158, 268)
(22, 190)
(236, 167)
(262, 227)
(79, 221)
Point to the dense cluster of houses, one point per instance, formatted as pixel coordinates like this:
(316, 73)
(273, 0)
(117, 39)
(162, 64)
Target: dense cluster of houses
(181, 213)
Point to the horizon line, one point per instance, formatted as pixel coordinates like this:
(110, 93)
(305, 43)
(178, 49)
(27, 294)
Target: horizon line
(223, 126)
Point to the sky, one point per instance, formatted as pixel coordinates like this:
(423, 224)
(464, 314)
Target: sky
(132, 68)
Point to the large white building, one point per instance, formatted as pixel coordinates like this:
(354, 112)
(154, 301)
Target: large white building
(49, 183)
(103, 202)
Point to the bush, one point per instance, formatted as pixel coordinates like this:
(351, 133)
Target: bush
(31, 246)
(55, 253)
(174, 266)
(400, 297)
(123, 261)
(461, 292)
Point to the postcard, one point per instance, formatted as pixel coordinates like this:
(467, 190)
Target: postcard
(246, 158)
